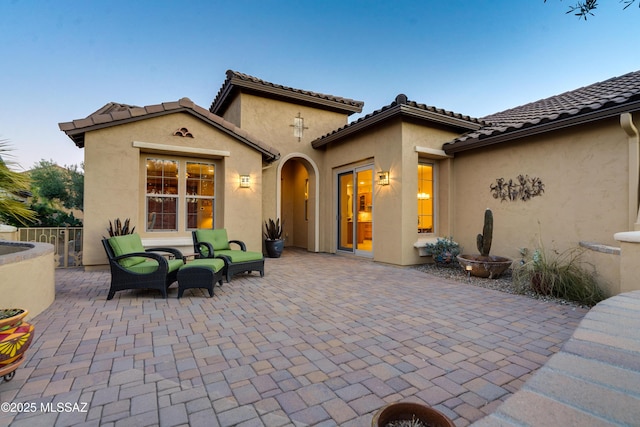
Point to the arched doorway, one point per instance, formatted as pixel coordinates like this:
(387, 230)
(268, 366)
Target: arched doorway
(297, 193)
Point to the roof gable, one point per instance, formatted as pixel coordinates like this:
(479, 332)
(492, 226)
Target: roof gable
(114, 114)
(594, 102)
(401, 106)
(236, 81)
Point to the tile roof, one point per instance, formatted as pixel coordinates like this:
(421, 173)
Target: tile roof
(113, 114)
(236, 80)
(596, 101)
(402, 106)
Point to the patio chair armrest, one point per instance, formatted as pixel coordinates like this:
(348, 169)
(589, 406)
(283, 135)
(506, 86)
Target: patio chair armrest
(161, 260)
(175, 252)
(239, 243)
(201, 247)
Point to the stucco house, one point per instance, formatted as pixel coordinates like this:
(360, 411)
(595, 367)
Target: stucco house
(563, 171)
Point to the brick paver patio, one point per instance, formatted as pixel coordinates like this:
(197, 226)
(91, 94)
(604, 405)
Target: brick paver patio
(321, 340)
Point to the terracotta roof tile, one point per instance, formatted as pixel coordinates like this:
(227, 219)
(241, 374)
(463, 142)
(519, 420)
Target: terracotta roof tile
(186, 102)
(609, 95)
(137, 111)
(156, 108)
(67, 126)
(113, 114)
(83, 122)
(410, 108)
(117, 115)
(238, 79)
(171, 105)
(102, 118)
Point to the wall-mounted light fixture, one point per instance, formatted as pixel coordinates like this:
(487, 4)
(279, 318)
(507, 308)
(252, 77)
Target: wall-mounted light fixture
(383, 178)
(245, 181)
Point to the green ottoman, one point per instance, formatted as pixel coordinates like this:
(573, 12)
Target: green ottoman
(200, 273)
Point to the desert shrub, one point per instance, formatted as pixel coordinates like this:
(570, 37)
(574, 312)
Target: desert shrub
(562, 275)
(443, 251)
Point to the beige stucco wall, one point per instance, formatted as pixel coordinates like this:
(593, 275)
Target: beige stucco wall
(390, 147)
(629, 255)
(271, 121)
(114, 180)
(584, 170)
(608, 269)
(429, 137)
(27, 278)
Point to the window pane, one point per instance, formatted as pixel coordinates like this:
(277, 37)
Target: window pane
(162, 176)
(200, 179)
(162, 191)
(425, 198)
(199, 213)
(162, 213)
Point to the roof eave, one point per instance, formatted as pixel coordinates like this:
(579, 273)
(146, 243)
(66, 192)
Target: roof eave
(471, 144)
(402, 110)
(278, 92)
(77, 135)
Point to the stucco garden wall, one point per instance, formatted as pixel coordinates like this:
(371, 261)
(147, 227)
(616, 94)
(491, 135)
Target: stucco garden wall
(115, 187)
(585, 175)
(27, 276)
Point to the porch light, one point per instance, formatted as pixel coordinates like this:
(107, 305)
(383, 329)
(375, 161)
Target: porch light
(424, 196)
(245, 181)
(383, 178)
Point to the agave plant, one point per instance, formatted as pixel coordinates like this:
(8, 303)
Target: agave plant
(118, 228)
(273, 229)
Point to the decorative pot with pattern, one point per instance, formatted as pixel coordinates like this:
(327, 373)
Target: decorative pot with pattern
(15, 335)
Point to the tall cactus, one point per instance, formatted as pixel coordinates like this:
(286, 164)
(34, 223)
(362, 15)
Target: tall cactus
(484, 239)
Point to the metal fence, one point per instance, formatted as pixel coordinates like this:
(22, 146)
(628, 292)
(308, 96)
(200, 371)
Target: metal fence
(66, 241)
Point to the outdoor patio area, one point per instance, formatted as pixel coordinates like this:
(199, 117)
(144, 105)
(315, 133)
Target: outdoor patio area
(320, 340)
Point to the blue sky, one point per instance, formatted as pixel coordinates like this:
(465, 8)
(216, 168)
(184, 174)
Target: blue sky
(63, 60)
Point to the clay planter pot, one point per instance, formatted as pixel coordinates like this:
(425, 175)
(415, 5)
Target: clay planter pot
(15, 335)
(11, 316)
(408, 411)
(484, 266)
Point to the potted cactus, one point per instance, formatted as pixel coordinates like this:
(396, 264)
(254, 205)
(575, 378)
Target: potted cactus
(411, 414)
(485, 265)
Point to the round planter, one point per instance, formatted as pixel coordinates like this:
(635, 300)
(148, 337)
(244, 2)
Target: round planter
(274, 248)
(11, 316)
(408, 411)
(484, 266)
(14, 341)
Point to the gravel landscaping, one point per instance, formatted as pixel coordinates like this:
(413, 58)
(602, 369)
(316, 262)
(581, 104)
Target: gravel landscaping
(504, 283)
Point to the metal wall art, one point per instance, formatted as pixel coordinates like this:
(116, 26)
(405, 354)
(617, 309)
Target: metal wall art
(522, 188)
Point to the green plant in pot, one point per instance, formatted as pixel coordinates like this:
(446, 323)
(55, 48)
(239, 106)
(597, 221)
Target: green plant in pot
(485, 265)
(273, 243)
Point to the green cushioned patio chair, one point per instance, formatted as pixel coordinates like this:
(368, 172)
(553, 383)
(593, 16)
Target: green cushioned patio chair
(134, 267)
(215, 244)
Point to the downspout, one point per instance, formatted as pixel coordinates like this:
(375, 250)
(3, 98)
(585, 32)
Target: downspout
(626, 122)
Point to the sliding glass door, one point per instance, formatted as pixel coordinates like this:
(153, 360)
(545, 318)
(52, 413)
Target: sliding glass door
(355, 211)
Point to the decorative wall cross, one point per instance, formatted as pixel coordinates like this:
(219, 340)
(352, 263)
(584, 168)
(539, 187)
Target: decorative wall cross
(298, 127)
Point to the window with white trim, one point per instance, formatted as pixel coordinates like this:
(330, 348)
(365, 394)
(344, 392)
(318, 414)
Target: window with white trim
(179, 192)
